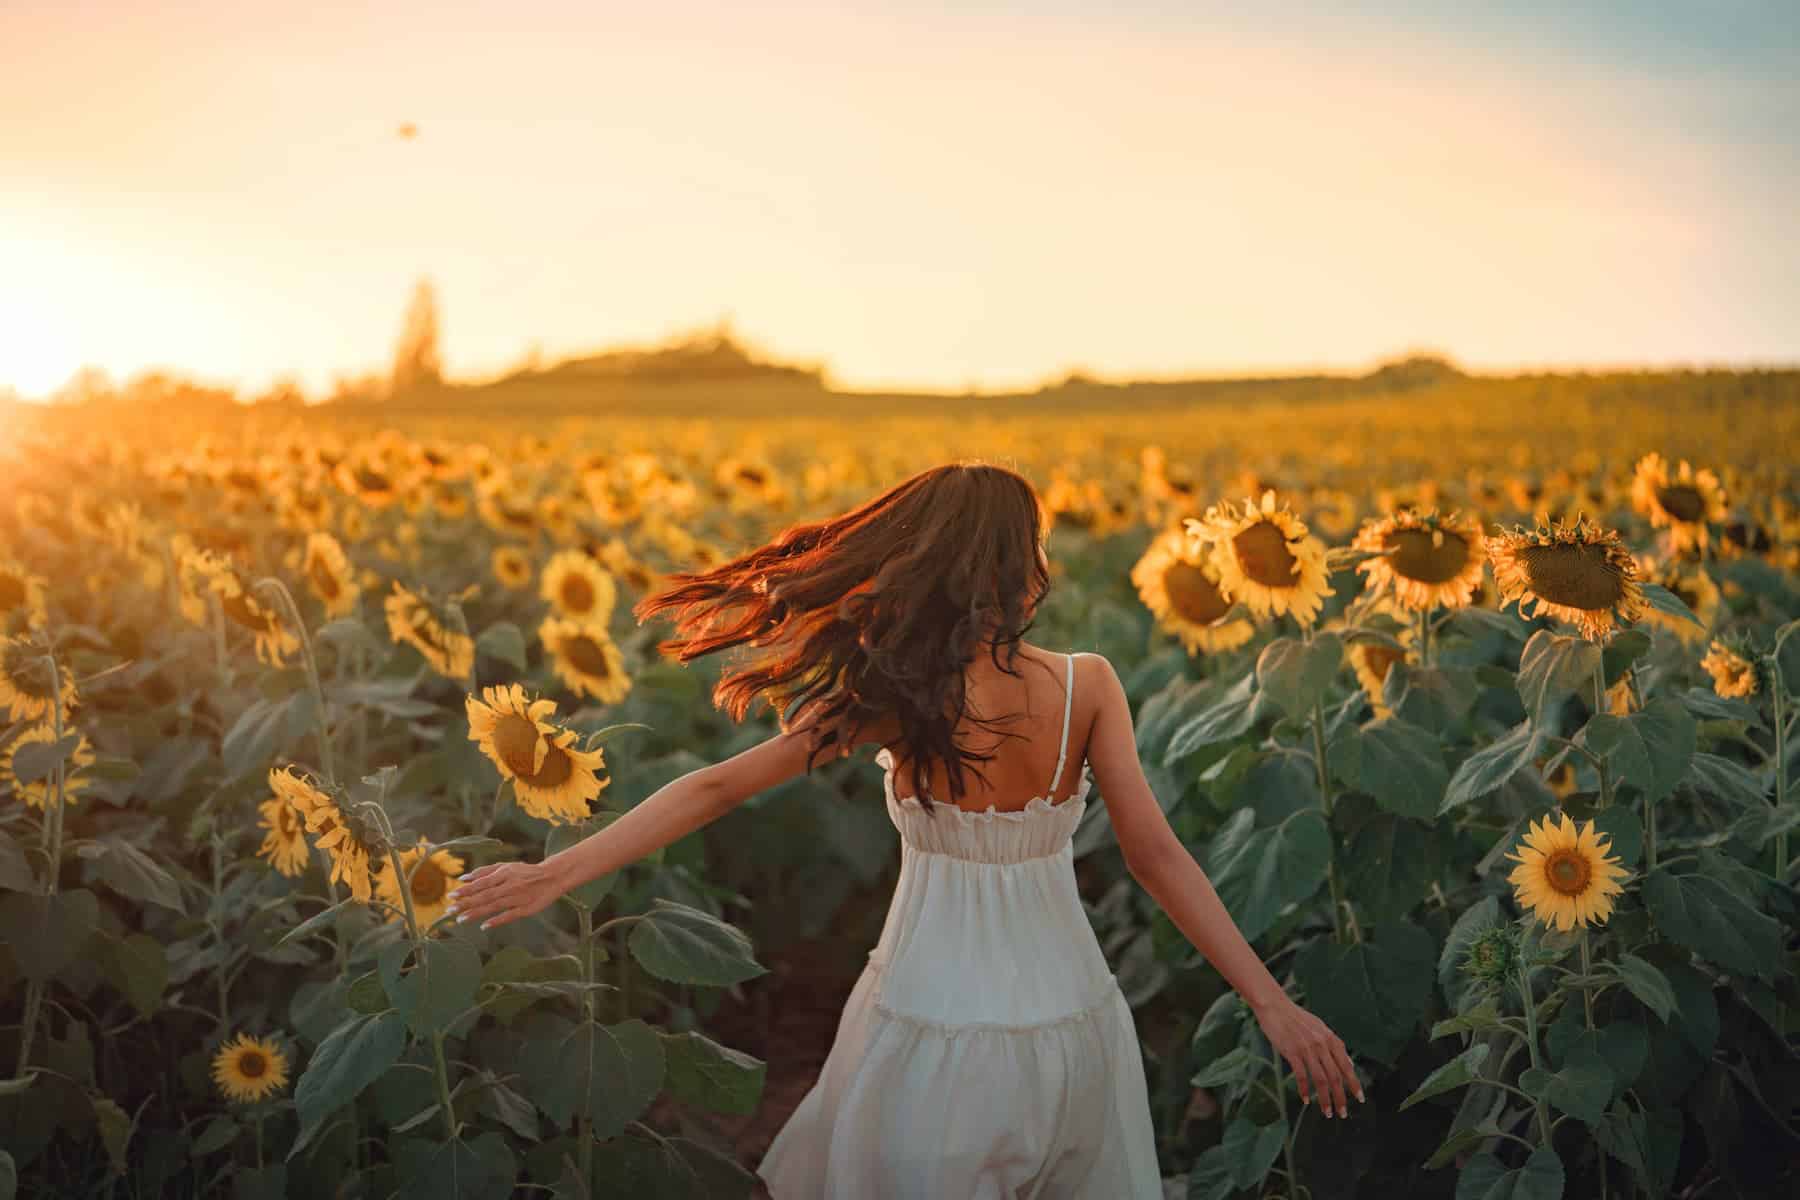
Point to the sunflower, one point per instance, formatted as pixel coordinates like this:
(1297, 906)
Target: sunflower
(303, 508)
(618, 559)
(350, 854)
(37, 792)
(211, 572)
(1564, 877)
(284, 845)
(1371, 661)
(506, 508)
(1732, 673)
(354, 524)
(1684, 504)
(511, 567)
(430, 884)
(1179, 584)
(451, 503)
(248, 1069)
(365, 476)
(21, 596)
(329, 575)
(1575, 572)
(553, 780)
(1695, 588)
(25, 681)
(1430, 561)
(586, 658)
(579, 587)
(1265, 557)
(411, 619)
(1619, 700)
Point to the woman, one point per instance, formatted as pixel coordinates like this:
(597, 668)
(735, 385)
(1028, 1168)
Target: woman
(985, 1050)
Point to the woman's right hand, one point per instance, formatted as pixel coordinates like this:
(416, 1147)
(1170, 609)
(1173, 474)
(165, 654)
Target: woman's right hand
(1317, 1056)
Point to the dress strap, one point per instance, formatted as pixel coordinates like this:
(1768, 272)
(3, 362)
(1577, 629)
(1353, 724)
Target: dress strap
(1062, 751)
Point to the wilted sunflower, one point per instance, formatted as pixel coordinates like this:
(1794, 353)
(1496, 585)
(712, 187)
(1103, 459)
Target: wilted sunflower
(248, 1069)
(1179, 583)
(284, 845)
(1564, 877)
(412, 619)
(1684, 505)
(1732, 673)
(1265, 557)
(331, 828)
(329, 575)
(21, 596)
(1577, 572)
(579, 587)
(210, 572)
(37, 792)
(553, 780)
(1693, 586)
(430, 884)
(25, 681)
(1428, 560)
(511, 567)
(585, 658)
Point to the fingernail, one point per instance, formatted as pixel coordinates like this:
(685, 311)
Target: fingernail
(485, 924)
(463, 876)
(449, 908)
(461, 919)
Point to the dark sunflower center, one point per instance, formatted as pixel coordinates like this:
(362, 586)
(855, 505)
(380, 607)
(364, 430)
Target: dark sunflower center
(1191, 594)
(577, 593)
(1568, 872)
(12, 592)
(1263, 550)
(1682, 502)
(251, 1064)
(372, 481)
(428, 883)
(1416, 557)
(1575, 575)
(515, 738)
(586, 656)
(517, 517)
(1380, 659)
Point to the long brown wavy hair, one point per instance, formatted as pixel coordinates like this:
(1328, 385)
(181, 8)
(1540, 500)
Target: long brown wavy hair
(875, 613)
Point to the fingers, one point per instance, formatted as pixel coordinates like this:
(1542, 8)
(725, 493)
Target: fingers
(1348, 1068)
(1332, 1089)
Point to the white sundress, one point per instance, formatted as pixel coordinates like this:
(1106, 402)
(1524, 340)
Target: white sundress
(986, 1052)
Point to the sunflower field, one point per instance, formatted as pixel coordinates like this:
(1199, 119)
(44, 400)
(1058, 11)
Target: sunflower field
(1475, 698)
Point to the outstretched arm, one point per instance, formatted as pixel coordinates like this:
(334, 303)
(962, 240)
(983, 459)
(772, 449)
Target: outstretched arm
(503, 892)
(1164, 867)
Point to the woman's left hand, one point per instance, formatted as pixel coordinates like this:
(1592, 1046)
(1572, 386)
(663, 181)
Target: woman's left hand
(502, 892)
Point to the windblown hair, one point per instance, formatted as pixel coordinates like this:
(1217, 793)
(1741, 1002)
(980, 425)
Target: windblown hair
(875, 613)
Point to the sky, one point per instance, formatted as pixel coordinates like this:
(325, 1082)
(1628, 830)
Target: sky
(922, 194)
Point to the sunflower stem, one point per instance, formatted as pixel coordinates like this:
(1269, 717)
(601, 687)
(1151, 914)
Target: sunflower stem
(312, 671)
(1291, 1132)
(585, 1124)
(1777, 688)
(1338, 903)
(443, 1083)
(219, 977)
(1537, 1102)
(259, 1150)
(1424, 637)
(1587, 1001)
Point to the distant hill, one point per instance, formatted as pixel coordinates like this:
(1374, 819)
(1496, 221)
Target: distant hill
(712, 355)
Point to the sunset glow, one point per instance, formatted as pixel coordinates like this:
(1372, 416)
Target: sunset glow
(927, 196)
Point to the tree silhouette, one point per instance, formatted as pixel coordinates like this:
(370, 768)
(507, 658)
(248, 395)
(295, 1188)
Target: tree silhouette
(416, 361)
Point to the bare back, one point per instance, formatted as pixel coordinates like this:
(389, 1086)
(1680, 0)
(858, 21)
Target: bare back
(1043, 762)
